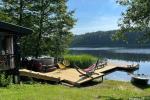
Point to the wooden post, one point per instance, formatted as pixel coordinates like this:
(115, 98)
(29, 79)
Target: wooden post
(102, 78)
(17, 59)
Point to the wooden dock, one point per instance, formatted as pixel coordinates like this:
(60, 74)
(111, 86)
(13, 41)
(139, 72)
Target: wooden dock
(68, 75)
(71, 75)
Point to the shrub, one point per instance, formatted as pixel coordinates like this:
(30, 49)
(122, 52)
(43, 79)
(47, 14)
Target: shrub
(82, 61)
(4, 80)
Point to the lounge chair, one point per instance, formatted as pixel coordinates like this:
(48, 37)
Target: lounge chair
(88, 71)
(64, 64)
(102, 63)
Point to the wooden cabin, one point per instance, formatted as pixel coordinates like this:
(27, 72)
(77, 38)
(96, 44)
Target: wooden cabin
(9, 49)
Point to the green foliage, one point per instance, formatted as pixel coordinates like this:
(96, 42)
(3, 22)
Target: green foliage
(4, 80)
(119, 36)
(82, 61)
(4, 17)
(104, 39)
(50, 20)
(136, 18)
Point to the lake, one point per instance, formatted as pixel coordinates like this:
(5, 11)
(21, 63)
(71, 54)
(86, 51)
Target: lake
(118, 56)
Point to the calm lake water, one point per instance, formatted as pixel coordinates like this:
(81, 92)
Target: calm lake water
(118, 56)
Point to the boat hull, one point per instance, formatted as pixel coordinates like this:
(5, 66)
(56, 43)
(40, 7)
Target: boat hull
(136, 80)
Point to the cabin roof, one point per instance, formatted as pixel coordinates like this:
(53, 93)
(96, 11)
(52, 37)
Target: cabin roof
(14, 29)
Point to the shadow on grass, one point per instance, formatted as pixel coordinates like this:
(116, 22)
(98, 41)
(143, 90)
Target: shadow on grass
(141, 86)
(108, 98)
(90, 83)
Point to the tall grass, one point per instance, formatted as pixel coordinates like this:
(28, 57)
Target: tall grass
(4, 80)
(81, 61)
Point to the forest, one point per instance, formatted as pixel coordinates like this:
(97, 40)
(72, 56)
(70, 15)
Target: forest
(105, 39)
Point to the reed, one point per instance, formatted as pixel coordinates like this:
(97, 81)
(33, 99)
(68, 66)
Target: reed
(81, 61)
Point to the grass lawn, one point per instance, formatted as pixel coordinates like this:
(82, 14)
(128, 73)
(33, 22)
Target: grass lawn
(108, 90)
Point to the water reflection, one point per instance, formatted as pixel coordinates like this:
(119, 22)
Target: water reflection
(121, 55)
(123, 76)
(114, 55)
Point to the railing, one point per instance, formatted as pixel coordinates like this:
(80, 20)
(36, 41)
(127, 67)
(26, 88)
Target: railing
(5, 61)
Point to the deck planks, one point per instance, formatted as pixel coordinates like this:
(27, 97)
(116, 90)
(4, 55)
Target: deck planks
(70, 75)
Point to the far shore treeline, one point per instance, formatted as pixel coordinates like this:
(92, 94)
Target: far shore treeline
(105, 39)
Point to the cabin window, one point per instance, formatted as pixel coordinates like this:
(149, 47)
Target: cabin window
(2, 44)
(6, 51)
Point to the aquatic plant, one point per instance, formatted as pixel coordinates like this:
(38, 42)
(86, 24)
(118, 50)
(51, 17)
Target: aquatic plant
(81, 61)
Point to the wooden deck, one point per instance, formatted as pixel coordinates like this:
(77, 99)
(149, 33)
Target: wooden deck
(70, 75)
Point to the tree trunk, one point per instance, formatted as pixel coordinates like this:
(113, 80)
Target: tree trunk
(40, 30)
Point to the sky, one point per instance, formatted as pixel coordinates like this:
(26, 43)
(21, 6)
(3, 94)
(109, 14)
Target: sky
(95, 15)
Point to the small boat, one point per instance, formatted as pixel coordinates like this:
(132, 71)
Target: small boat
(140, 78)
